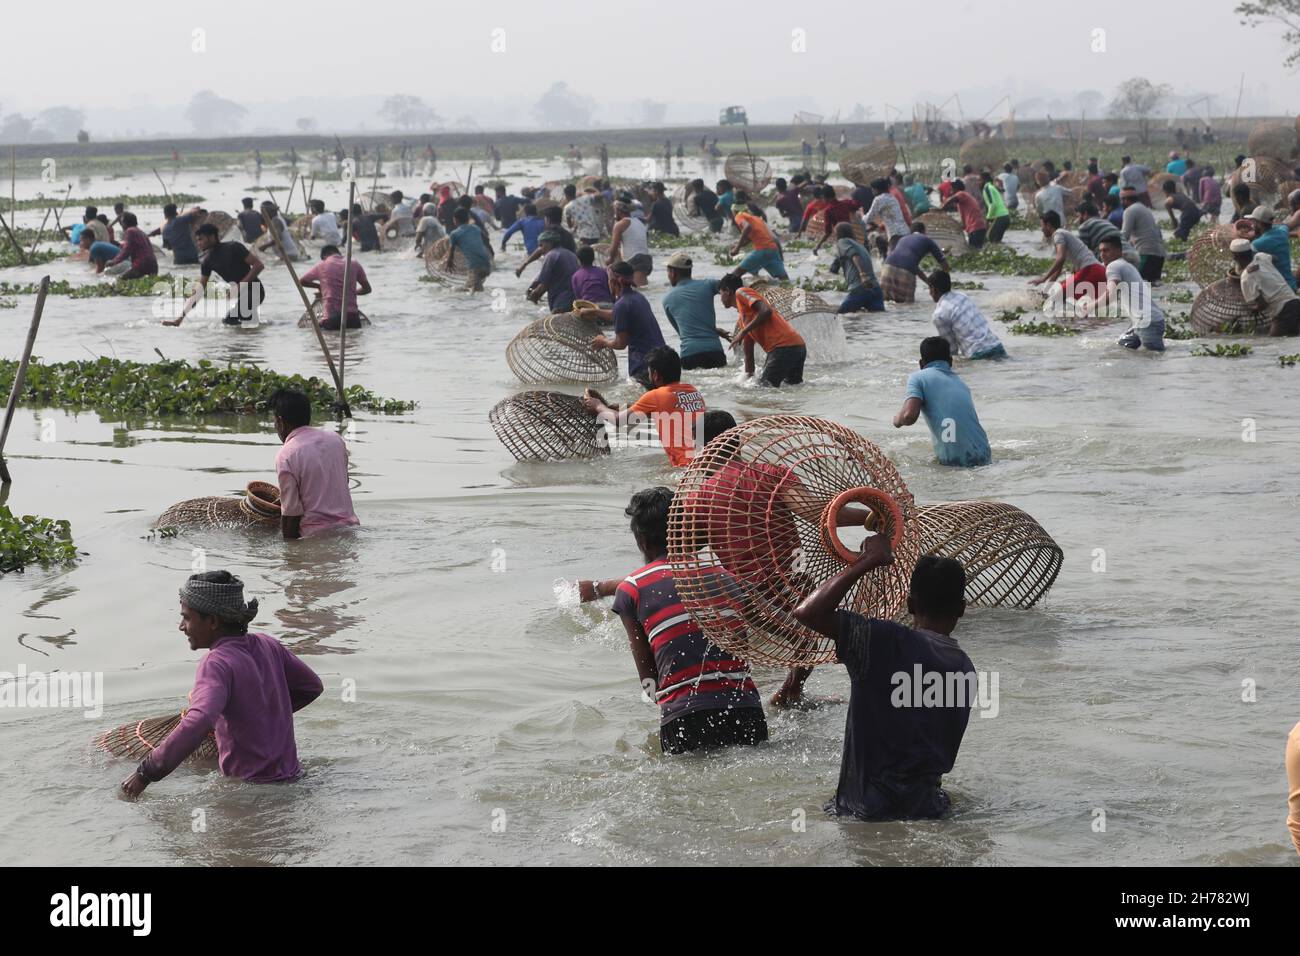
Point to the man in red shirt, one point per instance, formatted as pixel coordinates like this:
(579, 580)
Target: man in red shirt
(973, 222)
(327, 278)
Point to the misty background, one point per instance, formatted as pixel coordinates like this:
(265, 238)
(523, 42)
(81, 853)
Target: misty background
(245, 67)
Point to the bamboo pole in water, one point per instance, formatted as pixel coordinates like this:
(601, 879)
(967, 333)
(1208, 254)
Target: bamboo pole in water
(347, 289)
(20, 375)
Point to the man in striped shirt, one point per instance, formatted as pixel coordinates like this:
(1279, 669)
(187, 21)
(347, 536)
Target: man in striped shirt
(706, 697)
(960, 321)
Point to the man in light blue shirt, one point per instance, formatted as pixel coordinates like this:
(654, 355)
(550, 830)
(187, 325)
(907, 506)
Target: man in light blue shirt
(530, 226)
(946, 402)
(689, 307)
(1275, 240)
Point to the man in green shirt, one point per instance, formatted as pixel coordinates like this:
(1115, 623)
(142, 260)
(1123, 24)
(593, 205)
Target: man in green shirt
(995, 207)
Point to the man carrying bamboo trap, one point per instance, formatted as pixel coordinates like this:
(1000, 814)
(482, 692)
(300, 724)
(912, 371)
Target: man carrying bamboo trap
(239, 267)
(246, 691)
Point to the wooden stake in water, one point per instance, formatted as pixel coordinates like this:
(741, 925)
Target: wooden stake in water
(293, 182)
(166, 191)
(347, 290)
(22, 256)
(20, 376)
(311, 312)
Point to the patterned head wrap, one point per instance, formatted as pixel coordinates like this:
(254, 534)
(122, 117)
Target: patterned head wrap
(223, 599)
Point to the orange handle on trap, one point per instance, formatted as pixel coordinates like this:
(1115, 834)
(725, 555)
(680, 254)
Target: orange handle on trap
(883, 506)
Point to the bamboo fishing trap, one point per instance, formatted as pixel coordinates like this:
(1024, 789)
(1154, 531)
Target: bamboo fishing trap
(137, 740)
(435, 263)
(1221, 309)
(304, 320)
(862, 165)
(748, 172)
(752, 531)
(982, 153)
(945, 230)
(547, 426)
(1209, 258)
(223, 221)
(1277, 140)
(816, 320)
(817, 227)
(558, 348)
(258, 507)
(1010, 560)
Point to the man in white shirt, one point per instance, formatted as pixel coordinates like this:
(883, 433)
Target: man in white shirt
(1264, 289)
(1127, 293)
(325, 225)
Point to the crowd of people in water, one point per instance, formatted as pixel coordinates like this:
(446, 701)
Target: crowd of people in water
(594, 246)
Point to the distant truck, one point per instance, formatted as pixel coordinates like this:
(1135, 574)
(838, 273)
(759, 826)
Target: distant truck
(733, 116)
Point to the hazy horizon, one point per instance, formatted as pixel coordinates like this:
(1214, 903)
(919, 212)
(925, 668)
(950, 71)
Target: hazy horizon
(649, 64)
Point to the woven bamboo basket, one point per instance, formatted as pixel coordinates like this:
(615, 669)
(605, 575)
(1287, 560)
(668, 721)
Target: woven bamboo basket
(1074, 179)
(860, 166)
(1073, 198)
(687, 217)
(815, 319)
(818, 223)
(1284, 188)
(259, 507)
(137, 740)
(547, 426)
(748, 172)
(1274, 139)
(457, 189)
(1208, 259)
(1220, 309)
(435, 263)
(750, 534)
(1010, 560)
(945, 230)
(982, 153)
(1264, 174)
(223, 221)
(1156, 184)
(304, 320)
(301, 226)
(791, 301)
(558, 349)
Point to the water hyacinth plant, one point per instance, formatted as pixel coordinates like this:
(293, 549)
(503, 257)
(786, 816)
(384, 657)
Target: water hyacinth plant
(28, 539)
(177, 387)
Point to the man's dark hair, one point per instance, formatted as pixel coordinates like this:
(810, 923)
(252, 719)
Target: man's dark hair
(586, 255)
(918, 226)
(941, 281)
(1112, 239)
(530, 209)
(935, 349)
(554, 214)
(318, 206)
(93, 211)
(1052, 218)
(967, 169)
(129, 220)
(461, 216)
(958, 186)
(293, 407)
(329, 250)
(500, 189)
(396, 195)
(570, 191)
(880, 185)
(207, 229)
(715, 423)
(1126, 160)
(1087, 209)
(724, 186)
(248, 202)
(666, 362)
(938, 585)
(169, 210)
(731, 282)
(1170, 186)
(1006, 167)
(1241, 193)
(648, 510)
(781, 184)
(465, 202)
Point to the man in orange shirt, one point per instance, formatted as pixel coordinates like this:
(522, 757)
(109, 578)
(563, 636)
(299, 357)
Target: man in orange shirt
(676, 408)
(762, 324)
(766, 254)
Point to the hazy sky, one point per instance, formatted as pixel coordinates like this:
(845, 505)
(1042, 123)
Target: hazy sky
(259, 51)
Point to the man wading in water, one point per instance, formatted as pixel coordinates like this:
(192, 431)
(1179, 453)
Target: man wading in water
(312, 469)
(234, 263)
(246, 691)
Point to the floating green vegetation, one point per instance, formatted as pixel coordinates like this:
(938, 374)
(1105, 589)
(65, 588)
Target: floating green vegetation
(9, 255)
(1175, 270)
(1233, 350)
(144, 286)
(28, 539)
(1288, 361)
(8, 303)
(662, 240)
(1180, 295)
(1010, 315)
(105, 203)
(1042, 328)
(724, 259)
(963, 286)
(1000, 259)
(820, 284)
(175, 388)
(1177, 329)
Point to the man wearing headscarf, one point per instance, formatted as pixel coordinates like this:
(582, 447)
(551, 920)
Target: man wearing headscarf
(246, 691)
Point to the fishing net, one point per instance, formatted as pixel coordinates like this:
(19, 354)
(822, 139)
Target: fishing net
(547, 426)
(137, 740)
(860, 166)
(435, 263)
(1010, 560)
(945, 230)
(558, 349)
(748, 172)
(301, 226)
(752, 532)
(1208, 259)
(304, 321)
(259, 507)
(811, 316)
(223, 221)
(1220, 309)
(983, 154)
(1273, 139)
(817, 225)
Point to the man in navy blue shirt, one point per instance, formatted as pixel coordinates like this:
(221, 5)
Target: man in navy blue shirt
(635, 326)
(898, 742)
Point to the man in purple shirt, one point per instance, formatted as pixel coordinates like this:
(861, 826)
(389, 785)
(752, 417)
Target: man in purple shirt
(591, 282)
(555, 279)
(635, 326)
(246, 691)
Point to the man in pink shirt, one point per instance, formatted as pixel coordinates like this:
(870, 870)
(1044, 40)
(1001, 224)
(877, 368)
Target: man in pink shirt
(312, 470)
(328, 278)
(246, 691)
